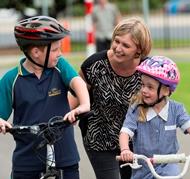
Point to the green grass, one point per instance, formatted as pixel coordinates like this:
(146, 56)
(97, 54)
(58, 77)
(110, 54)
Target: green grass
(182, 93)
(171, 43)
(158, 43)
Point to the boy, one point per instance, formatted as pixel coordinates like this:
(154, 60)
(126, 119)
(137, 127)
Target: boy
(37, 90)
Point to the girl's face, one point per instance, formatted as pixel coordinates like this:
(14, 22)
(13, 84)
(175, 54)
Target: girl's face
(149, 89)
(124, 48)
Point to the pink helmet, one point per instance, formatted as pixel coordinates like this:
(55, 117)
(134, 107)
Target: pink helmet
(162, 69)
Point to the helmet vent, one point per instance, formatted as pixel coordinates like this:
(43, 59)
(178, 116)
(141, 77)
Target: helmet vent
(34, 25)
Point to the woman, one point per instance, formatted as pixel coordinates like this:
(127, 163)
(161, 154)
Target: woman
(112, 80)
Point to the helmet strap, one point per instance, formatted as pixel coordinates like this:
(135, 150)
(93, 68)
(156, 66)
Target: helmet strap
(46, 59)
(29, 58)
(47, 56)
(145, 105)
(158, 99)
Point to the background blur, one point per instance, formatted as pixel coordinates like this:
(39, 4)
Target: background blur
(170, 29)
(168, 19)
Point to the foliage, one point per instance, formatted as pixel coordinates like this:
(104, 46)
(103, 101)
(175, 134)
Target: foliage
(18, 5)
(76, 7)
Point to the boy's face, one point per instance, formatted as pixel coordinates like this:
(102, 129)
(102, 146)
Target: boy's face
(53, 55)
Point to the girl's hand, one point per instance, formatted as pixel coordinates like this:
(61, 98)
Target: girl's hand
(126, 155)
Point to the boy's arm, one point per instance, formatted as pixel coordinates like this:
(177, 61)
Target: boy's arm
(79, 87)
(73, 100)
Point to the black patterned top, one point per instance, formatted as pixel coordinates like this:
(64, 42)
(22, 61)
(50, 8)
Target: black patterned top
(110, 95)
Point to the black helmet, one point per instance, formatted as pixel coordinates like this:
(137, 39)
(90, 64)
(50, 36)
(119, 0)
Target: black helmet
(38, 30)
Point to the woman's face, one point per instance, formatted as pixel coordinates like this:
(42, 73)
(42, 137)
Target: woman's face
(124, 48)
(149, 89)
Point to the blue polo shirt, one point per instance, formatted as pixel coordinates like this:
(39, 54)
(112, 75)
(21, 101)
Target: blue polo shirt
(34, 101)
(158, 135)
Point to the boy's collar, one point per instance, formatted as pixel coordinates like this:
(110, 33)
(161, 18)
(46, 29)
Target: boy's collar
(23, 71)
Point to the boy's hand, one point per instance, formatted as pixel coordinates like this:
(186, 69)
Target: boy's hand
(3, 125)
(71, 116)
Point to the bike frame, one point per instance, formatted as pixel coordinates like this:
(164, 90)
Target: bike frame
(170, 158)
(38, 130)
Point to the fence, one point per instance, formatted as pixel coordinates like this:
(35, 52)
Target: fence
(168, 31)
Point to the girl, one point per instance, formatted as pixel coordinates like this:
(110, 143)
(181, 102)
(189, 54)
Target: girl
(153, 118)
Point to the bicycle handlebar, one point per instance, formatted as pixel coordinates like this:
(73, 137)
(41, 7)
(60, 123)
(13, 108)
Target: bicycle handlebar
(50, 132)
(169, 158)
(56, 122)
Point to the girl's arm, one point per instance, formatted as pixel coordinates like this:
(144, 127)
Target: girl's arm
(126, 154)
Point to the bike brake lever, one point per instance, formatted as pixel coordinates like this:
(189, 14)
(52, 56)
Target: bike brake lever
(133, 165)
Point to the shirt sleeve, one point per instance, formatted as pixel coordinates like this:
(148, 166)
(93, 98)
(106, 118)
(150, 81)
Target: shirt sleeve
(130, 122)
(6, 89)
(66, 70)
(183, 118)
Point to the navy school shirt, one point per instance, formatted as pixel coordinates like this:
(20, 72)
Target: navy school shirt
(33, 101)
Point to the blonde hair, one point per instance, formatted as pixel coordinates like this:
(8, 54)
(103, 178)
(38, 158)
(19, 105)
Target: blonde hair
(139, 32)
(137, 100)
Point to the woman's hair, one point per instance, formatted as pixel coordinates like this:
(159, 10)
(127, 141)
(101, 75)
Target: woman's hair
(139, 32)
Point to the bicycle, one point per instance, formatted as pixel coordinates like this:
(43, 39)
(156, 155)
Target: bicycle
(49, 132)
(158, 159)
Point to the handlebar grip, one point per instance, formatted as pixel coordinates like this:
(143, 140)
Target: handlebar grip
(170, 158)
(118, 158)
(84, 115)
(13, 129)
(9, 129)
(22, 129)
